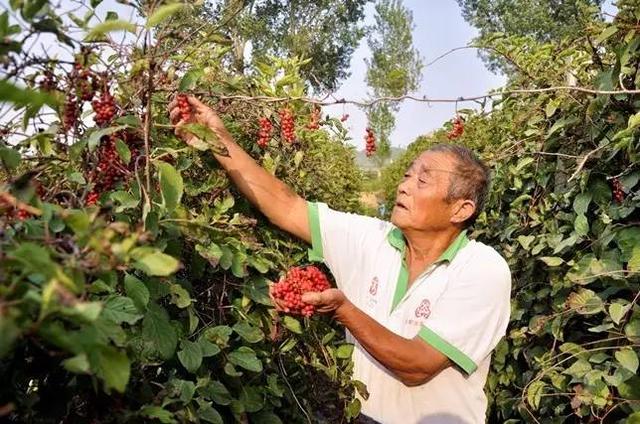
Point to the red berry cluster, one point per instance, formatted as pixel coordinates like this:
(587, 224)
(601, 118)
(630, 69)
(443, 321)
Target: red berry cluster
(48, 82)
(70, 113)
(111, 168)
(264, 135)
(184, 106)
(314, 122)
(84, 81)
(370, 140)
(92, 198)
(105, 108)
(457, 130)
(287, 125)
(298, 281)
(618, 192)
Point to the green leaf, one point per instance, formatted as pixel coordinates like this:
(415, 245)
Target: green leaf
(292, 324)
(581, 225)
(525, 241)
(219, 334)
(25, 97)
(123, 151)
(190, 355)
(208, 348)
(633, 418)
(158, 331)
(578, 369)
(627, 239)
(10, 157)
(125, 200)
(114, 368)
(157, 412)
(209, 139)
(78, 221)
(634, 261)
(94, 138)
(344, 351)
(98, 32)
(246, 358)
(207, 413)
(155, 262)
(552, 260)
(171, 185)
(9, 333)
(218, 392)
(581, 203)
(163, 13)
(608, 32)
(248, 332)
(121, 309)
(617, 311)
(634, 121)
(265, 417)
(534, 393)
(137, 291)
(78, 364)
(190, 79)
(632, 330)
(179, 296)
(585, 302)
(628, 359)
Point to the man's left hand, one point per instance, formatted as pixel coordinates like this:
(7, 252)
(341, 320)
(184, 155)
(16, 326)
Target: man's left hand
(326, 301)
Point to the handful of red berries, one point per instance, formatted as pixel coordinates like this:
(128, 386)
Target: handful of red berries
(184, 106)
(287, 125)
(298, 281)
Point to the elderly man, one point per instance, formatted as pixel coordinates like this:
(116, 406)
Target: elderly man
(424, 305)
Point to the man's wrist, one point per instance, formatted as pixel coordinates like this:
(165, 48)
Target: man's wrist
(343, 311)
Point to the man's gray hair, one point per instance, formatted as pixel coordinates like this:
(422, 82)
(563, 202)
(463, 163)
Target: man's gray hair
(472, 178)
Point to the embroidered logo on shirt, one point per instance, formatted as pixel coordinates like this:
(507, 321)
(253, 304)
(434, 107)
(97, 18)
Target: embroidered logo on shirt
(424, 309)
(373, 288)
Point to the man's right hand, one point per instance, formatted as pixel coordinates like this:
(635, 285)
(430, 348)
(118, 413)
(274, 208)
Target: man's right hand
(200, 114)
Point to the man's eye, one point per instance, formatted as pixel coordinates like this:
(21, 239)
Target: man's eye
(406, 175)
(422, 180)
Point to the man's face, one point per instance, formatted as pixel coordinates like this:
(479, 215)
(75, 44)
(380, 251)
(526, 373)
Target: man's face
(421, 196)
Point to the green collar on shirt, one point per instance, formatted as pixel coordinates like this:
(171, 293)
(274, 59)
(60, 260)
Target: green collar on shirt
(396, 239)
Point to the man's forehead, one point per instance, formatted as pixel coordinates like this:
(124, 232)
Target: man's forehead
(429, 160)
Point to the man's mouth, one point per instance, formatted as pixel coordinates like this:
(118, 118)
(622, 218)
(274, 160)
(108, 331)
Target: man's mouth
(400, 205)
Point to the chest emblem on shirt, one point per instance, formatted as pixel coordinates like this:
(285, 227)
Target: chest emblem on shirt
(373, 288)
(424, 309)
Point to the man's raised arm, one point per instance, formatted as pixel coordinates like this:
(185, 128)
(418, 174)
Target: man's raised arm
(281, 205)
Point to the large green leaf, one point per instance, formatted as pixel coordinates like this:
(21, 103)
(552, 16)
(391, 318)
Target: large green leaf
(137, 291)
(99, 31)
(628, 359)
(158, 331)
(248, 332)
(171, 185)
(154, 262)
(163, 13)
(246, 358)
(190, 355)
(121, 309)
(114, 368)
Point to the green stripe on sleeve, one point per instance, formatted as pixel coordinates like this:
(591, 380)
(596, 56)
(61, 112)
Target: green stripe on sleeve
(315, 253)
(447, 349)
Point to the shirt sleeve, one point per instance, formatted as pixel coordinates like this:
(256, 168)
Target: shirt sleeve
(341, 239)
(472, 315)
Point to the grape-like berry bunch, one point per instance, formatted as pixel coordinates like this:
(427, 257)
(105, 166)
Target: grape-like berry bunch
(370, 140)
(618, 192)
(264, 135)
(457, 130)
(287, 125)
(105, 108)
(184, 106)
(298, 281)
(314, 122)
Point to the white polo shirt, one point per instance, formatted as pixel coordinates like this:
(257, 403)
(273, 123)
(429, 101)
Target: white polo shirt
(460, 305)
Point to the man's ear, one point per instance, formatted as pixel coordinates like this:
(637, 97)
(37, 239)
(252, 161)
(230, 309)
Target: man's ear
(462, 210)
